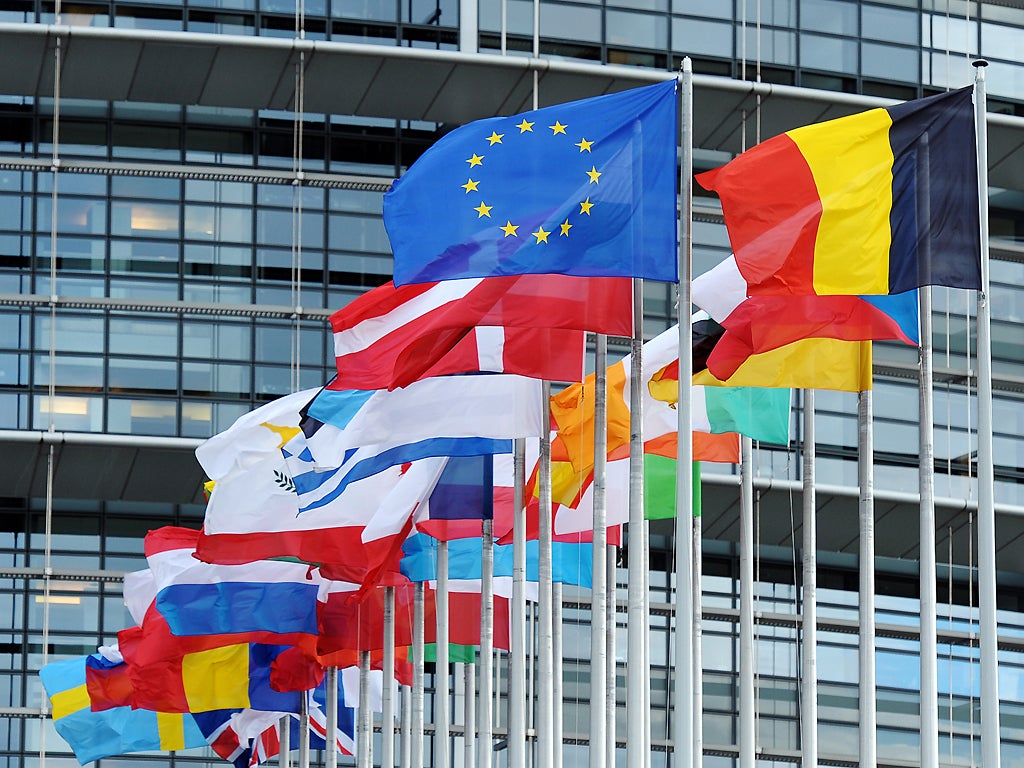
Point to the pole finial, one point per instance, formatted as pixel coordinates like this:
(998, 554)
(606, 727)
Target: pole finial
(979, 63)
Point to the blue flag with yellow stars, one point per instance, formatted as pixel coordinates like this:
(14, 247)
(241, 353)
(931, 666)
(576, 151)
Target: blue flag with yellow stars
(586, 188)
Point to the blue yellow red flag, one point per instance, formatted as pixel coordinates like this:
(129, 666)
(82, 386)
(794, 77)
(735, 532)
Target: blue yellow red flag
(585, 188)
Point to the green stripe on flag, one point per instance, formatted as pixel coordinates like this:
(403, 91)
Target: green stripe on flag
(660, 488)
(465, 654)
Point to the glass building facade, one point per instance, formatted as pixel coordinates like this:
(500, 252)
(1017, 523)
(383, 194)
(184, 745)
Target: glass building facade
(193, 279)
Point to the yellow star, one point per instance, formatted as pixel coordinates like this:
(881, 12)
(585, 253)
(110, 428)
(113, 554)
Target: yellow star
(495, 138)
(594, 174)
(525, 126)
(475, 160)
(557, 128)
(471, 186)
(541, 235)
(566, 226)
(584, 145)
(509, 229)
(585, 207)
(483, 210)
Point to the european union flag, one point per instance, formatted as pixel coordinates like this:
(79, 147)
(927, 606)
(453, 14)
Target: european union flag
(586, 188)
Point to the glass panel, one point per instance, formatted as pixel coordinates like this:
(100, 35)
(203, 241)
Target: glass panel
(233, 225)
(144, 219)
(828, 53)
(143, 375)
(833, 16)
(74, 215)
(777, 46)
(892, 24)
(72, 333)
(636, 30)
(70, 413)
(702, 37)
(217, 341)
(887, 62)
(144, 417)
(136, 336)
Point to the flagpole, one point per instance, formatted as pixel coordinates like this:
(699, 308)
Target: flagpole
(556, 669)
(517, 654)
(545, 640)
(635, 696)
(747, 725)
(698, 664)
(441, 687)
(416, 754)
(485, 736)
(304, 732)
(683, 715)
(387, 757)
(809, 656)
(284, 757)
(866, 644)
(364, 743)
(405, 740)
(611, 664)
(646, 591)
(986, 469)
(469, 731)
(598, 756)
(926, 481)
(331, 710)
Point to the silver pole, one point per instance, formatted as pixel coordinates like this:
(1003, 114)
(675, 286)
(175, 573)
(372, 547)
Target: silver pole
(331, 710)
(683, 735)
(364, 743)
(926, 576)
(611, 667)
(417, 735)
(986, 470)
(442, 705)
(747, 733)
(809, 656)
(469, 732)
(517, 654)
(598, 756)
(646, 589)
(636, 697)
(468, 26)
(304, 733)
(866, 648)
(545, 640)
(484, 724)
(556, 671)
(284, 757)
(387, 731)
(698, 659)
(405, 729)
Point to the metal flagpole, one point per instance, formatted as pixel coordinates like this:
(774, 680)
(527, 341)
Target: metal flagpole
(304, 732)
(747, 733)
(387, 731)
(364, 743)
(416, 754)
(698, 664)
(405, 740)
(545, 641)
(484, 724)
(517, 653)
(284, 757)
(926, 576)
(986, 470)
(809, 656)
(683, 701)
(598, 756)
(611, 666)
(441, 688)
(331, 711)
(556, 671)
(469, 731)
(636, 698)
(646, 591)
(866, 645)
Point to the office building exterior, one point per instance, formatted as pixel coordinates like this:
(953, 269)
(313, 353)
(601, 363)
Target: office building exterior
(220, 166)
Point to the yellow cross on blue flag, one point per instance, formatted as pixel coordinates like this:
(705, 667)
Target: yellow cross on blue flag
(585, 188)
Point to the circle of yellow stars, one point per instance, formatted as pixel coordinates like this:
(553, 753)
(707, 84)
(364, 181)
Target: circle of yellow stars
(512, 230)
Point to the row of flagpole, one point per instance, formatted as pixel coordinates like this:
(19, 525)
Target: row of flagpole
(687, 699)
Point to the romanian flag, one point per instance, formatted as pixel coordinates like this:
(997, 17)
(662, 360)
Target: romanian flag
(879, 202)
